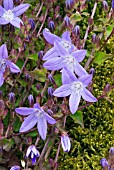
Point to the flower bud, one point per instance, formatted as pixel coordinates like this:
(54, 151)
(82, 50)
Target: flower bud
(40, 55)
(67, 21)
(50, 91)
(31, 100)
(69, 4)
(65, 142)
(76, 30)
(92, 71)
(107, 88)
(104, 163)
(27, 77)
(32, 24)
(94, 38)
(11, 97)
(111, 151)
(105, 5)
(51, 25)
(50, 112)
(51, 79)
(38, 86)
(15, 168)
(113, 4)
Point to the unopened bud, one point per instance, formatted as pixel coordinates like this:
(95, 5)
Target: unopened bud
(94, 38)
(40, 55)
(76, 30)
(50, 112)
(32, 24)
(105, 5)
(107, 88)
(38, 86)
(11, 97)
(51, 79)
(111, 151)
(67, 21)
(104, 163)
(27, 77)
(69, 4)
(51, 25)
(92, 71)
(31, 100)
(113, 4)
(50, 91)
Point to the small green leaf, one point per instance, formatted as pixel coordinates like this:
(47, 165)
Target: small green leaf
(16, 125)
(57, 79)
(100, 57)
(38, 74)
(33, 57)
(75, 17)
(78, 118)
(33, 134)
(108, 30)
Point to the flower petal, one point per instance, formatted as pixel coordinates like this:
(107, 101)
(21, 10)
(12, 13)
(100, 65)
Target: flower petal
(1, 78)
(29, 150)
(16, 22)
(3, 51)
(63, 91)
(50, 54)
(79, 70)
(50, 38)
(79, 54)
(3, 21)
(13, 67)
(36, 105)
(65, 142)
(42, 127)
(49, 119)
(61, 51)
(74, 102)
(86, 95)
(1, 10)
(86, 79)
(25, 110)
(8, 4)
(20, 9)
(67, 76)
(28, 123)
(66, 36)
(15, 168)
(54, 63)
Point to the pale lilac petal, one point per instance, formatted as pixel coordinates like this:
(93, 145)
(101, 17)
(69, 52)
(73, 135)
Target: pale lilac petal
(50, 38)
(1, 78)
(20, 9)
(66, 36)
(1, 10)
(54, 63)
(63, 91)
(49, 119)
(29, 150)
(25, 110)
(8, 4)
(3, 21)
(65, 142)
(16, 22)
(86, 79)
(42, 127)
(61, 51)
(13, 67)
(28, 123)
(15, 168)
(79, 70)
(72, 48)
(67, 76)
(86, 95)
(35, 151)
(79, 55)
(50, 54)
(74, 101)
(36, 105)
(3, 51)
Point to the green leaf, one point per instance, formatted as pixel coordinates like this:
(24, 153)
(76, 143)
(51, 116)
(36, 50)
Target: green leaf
(20, 63)
(108, 30)
(57, 79)
(33, 57)
(78, 118)
(16, 125)
(38, 74)
(100, 57)
(33, 134)
(75, 17)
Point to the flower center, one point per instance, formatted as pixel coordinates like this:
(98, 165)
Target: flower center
(8, 15)
(2, 64)
(77, 87)
(65, 44)
(71, 62)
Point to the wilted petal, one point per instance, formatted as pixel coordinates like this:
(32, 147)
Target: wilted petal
(25, 110)
(13, 67)
(28, 123)
(61, 51)
(1, 10)
(63, 91)
(50, 54)
(67, 76)
(86, 79)
(8, 4)
(66, 36)
(79, 55)
(65, 142)
(49, 119)
(79, 70)
(16, 22)
(20, 9)
(42, 127)
(86, 95)
(54, 63)
(3, 51)
(74, 102)
(50, 37)
(1, 78)
(3, 21)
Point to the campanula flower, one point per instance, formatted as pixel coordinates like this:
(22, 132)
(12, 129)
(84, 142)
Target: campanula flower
(65, 142)
(75, 88)
(9, 14)
(33, 153)
(15, 168)
(66, 59)
(36, 116)
(4, 62)
(67, 21)
(104, 163)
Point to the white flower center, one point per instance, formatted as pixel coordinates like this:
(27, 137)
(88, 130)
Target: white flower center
(65, 44)
(2, 64)
(8, 15)
(77, 87)
(71, 62)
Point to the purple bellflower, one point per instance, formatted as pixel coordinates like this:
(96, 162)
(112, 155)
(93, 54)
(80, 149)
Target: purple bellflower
(66, 59)
(65, 142)
(36, 116)
(9, 14)
(4, 62)
(33, 153)
(75, 88)
(65, 41)
(104, 163)
(15, 168)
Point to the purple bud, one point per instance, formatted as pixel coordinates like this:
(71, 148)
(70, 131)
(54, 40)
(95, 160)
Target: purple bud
(27, 77)
(31, 22)
(92, 71)
(51, 79)
(69, 4)
(104, 163)
(24, 45)
(94, 37)
(50, 91)
(31, 100)
(111, 151)
(107, 88)
(51, 25)
(105, 5)
(40, 55)
(11, 97)
(76, 30)
(50, 112)
(113, 4)
(67, 21)
(15, 168)
(38, 86)
(65, 142)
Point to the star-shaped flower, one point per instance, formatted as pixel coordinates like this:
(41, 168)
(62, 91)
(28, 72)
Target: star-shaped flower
(36, 116)
(66, 59)
(76, 88)
(4, 62)
(9, 14)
